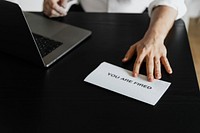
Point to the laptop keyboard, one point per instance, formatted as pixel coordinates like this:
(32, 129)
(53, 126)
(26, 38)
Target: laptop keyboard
(45, 44)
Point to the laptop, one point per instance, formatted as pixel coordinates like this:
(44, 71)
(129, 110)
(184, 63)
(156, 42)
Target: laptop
(36, 38)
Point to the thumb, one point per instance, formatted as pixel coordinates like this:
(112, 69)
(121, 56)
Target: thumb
(129, 53)
(63, 3)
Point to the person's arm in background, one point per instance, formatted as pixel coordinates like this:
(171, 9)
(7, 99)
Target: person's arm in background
(55, 8)
(151, 47)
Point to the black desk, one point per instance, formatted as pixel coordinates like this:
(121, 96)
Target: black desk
(56, 100)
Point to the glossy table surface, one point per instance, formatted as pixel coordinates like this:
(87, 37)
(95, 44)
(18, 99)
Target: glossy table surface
(38, 100)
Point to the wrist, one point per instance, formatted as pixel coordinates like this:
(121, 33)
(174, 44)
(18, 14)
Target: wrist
(154, 35)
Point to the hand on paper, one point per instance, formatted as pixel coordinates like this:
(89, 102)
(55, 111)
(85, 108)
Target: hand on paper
(153, 51)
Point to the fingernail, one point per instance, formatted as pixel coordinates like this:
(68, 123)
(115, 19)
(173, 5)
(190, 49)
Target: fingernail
(170, 72)
(150, 79)
(135, 74)
(158, 76)
(125, 59)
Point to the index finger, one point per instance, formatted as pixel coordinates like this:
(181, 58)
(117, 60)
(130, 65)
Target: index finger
(59, 9)
(138, 63)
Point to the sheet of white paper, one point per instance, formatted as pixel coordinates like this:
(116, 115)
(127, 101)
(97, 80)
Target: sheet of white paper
(119, 80)
(31, 5)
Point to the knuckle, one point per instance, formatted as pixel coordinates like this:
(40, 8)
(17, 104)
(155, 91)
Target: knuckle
(150, 74)
(157, 70)
(138, 62)
(53, 5)
(157, 62)
(51, 12)
(144, 50)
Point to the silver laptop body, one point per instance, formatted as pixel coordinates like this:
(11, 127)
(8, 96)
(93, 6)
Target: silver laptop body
(69, 35)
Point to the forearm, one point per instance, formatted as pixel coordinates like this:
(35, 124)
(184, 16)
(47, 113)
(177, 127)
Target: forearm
(162, 19)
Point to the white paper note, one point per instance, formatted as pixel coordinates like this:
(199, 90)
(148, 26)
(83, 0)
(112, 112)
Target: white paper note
(29, 5)
(121, 81)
